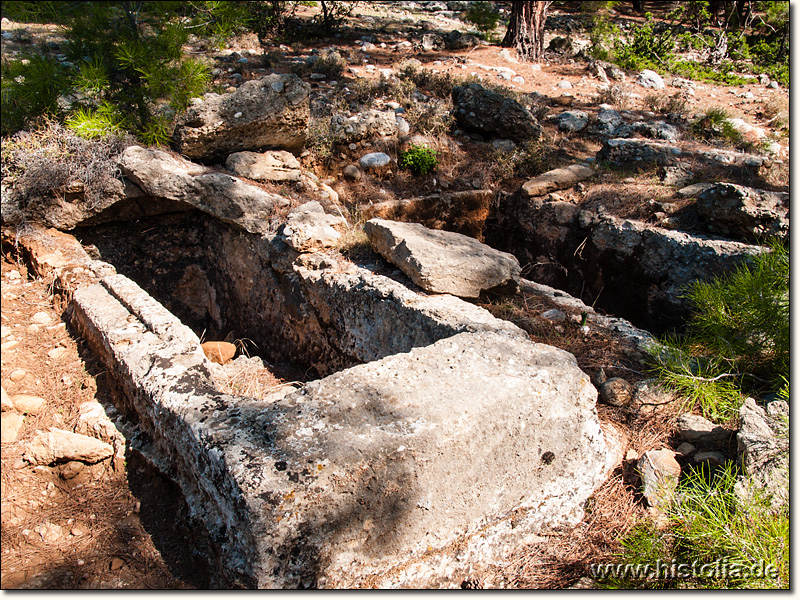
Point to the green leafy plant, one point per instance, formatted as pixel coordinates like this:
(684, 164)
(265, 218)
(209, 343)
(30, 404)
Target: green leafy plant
(737, 338)
(419, 160)
(127, 68)
(716, 124)
(484, 15)
(715, 538)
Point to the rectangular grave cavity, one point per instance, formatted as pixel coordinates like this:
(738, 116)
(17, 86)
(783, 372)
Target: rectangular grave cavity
(438, 439)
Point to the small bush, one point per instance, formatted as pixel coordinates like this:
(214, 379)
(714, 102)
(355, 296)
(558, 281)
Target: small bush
(51, 156)
(419, 160)
(619, 95)
(737, 338)
(710, 524)
(433, 118)
(484, 16)
(667, 105)
(715, 125)
(329, 62)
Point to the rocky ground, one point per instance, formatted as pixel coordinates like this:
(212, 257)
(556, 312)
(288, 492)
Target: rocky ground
(98, 526)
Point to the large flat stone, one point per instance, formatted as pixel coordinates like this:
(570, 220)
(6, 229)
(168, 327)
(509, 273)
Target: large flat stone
(442, 261)
(370, 476)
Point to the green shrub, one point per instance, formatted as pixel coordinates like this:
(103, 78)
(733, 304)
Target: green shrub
(126, 69)
(419, 160)
(715, 124)
(711, 524)
(484, 15)
(737, 337)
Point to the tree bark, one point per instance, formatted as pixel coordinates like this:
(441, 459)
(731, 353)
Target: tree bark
(526, 29)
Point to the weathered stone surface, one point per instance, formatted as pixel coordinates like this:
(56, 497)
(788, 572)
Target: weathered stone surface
(616, 392)
(650, 79)
(763, 445)
(267, 113)
(622, 152)
(608, 120)
(366, 476)
(557, 179)
(352, 172)
(374, 160)
(6, 403)
(562, 45)
(458, 40)
(744, 213)
(490, 113)
(660, 473)
(364, 125)
(309, 228)
(691, 191)
(60, 445)
(694, 428)
(10, 424)
(219, 352)
(442, 261)
(572, 120)
(657, 130)
(227, 198)
(463, 212)
(27, 404)
(653, 265)
(272, 165)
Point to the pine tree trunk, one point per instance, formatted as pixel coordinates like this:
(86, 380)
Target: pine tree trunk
(526, 29)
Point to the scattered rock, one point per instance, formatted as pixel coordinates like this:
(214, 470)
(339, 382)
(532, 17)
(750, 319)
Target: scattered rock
(685, 449)
(71, 470)
(60, 445)
(650, 79)
(29, 405)
(562, 45)
(116, 564)
(584, 583)
(9, 345)
(554, 315)
(456, 40)
(573, 120)
(368, 124)
(622, 152)
(660, 473)
(564, 85)
(676, 175)
(57, 353)
(374, 160)
(273, 165)
(18, 375)
(309, 228)
(352, 172)
(442, 261)
(557, 179)
(694, 428)
(219, 352)
(463, 212)
(608, 120)
(11, 423)
(274, 115)
(744, 213)
(49, 532)
(616, 392)
(488, 112)
(41, 318)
